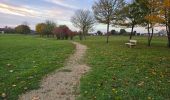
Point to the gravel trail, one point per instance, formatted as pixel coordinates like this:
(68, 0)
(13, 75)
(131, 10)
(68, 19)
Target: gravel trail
(63, 84)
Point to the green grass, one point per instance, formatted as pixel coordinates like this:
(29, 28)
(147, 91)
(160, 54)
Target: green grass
(120, 73)
(24, 60)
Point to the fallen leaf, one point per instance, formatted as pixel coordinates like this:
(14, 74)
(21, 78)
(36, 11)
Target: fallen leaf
(11, 71)
(3, 95)
(85, 92)
(141, 83)
(149, 98)
(36, 98)
(25, 88)
(8, 64)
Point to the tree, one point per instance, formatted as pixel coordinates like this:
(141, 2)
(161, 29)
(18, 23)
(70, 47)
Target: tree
(84, 20)
(99, 33)
(105, 11)
(22, 29)
(152, 17)
(8, 30)
(133, 15)
(40, 28)
(166, 17)
(122, 31)
(72, 34)
(113, 32)
(50, 25)
(63, 32)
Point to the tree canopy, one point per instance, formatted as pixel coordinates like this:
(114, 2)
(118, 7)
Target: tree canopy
(84, 20)
(105, 11)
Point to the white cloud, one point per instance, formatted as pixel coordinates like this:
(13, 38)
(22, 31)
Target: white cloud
(20, 11)
(61, 3)
(27, 11)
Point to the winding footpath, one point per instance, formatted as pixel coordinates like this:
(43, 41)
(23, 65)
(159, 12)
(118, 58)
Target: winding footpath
(63, 84)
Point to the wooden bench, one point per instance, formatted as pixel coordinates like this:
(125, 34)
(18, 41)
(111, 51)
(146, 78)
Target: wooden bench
(131, 43)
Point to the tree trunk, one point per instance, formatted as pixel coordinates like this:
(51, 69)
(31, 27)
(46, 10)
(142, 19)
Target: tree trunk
(131, 34)
(150, 37)
(84, 35)
(148, 33)
(80, 36)
(108, 32)
(168, 28)
(169, 40)
(168, 35)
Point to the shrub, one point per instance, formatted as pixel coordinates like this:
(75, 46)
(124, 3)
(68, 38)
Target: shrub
(99, 33)
(113, 32)
(122, 31)
(63, 32)
(22, 29)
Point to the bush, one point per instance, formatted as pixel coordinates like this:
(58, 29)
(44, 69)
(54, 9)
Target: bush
(22, 29)
(122, 31)
(7, 30)
(63, 32)
(113, 32)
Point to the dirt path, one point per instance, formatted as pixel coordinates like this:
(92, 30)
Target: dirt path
(63, 83)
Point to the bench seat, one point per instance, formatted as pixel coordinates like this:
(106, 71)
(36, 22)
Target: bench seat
(131, 43)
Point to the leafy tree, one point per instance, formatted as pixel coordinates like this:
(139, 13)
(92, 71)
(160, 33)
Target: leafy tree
(99, 33)
(105, 11)
(133, 15)
(50, 25)
(63, 32)
(113, 32)
(166, 16)
(152, 17)
(84, 20)
(122, 31)
(22, 29)
(40, 28)
(8, 30)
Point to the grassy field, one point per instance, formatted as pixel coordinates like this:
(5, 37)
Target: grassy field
(120, 73)
(24, 60)
(117, 72)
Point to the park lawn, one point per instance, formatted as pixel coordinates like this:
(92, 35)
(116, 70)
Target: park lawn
(122, 73)
(24, 60)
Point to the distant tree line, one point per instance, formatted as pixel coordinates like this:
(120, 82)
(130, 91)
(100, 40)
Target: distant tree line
(20, 29)
(50, 29)
(7, 30)
(114, 32)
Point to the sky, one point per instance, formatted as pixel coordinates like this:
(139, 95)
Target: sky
(16, 12)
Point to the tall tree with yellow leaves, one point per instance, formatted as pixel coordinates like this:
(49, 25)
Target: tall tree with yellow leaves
(166, 15)
(152, 17)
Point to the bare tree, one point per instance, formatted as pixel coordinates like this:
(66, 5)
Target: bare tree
(84, 20)
(105, 11)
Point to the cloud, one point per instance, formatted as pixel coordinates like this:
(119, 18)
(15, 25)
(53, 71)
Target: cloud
(62, 3)
(20, 11)
(14, 15)
(28, 11)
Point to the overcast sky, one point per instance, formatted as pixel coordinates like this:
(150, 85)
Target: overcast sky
(15, 12)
